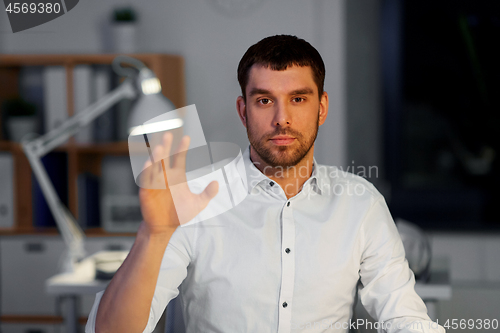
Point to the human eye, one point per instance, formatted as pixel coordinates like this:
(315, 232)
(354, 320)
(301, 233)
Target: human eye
(298, 99)
(264, 101)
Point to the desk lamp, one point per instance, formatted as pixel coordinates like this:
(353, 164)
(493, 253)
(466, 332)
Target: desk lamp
(140, 84)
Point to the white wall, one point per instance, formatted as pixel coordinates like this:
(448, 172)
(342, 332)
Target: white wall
(212, 44)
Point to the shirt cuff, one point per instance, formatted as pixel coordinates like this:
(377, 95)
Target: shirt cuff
(90, 327)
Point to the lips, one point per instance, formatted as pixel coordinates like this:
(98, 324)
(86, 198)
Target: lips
(282, 140)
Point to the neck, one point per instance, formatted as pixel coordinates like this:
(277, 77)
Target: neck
(292, 178)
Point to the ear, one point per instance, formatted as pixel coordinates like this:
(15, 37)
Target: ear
(323, 108)
(242, 110)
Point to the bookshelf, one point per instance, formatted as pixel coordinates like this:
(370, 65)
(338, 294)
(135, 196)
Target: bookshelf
(80, 157)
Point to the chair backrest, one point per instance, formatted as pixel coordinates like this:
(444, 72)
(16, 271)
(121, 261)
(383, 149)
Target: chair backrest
(174, 320)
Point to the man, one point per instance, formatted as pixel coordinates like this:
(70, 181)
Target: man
(289, 257)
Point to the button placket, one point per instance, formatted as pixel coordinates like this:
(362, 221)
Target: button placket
(272, 189)
(287, 270)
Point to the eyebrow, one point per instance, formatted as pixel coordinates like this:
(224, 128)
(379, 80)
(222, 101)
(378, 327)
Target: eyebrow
(303, 91)
(260, 91)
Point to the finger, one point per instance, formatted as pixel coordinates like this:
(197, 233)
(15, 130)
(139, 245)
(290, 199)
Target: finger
(155, 172)
(145, 179)
(167, 146)
(164, 173)
(209, 193)
(180, 154)
(158, 152)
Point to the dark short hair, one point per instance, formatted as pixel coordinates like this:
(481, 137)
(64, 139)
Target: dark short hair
(280, 52)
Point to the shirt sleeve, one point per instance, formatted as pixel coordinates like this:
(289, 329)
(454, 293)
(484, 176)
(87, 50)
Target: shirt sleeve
(172, 272)
(387, 284)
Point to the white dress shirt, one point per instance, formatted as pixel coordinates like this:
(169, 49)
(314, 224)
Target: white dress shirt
(273, 264)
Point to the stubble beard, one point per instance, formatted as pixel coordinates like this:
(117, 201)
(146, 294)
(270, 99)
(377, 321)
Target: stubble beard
(282, 156)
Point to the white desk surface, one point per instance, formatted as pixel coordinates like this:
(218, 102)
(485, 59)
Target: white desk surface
(80, 282)
(438, 287)
(83, 281)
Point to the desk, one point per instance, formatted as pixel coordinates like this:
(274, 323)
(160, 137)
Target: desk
(70, 286)
(438, 288)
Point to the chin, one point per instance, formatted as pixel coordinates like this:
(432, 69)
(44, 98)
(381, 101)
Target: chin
(285, 158)
(279, 156)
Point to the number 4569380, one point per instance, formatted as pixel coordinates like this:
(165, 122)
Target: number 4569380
(32, 8)
(471, 324)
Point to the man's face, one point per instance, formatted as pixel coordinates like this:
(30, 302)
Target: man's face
(282, 113)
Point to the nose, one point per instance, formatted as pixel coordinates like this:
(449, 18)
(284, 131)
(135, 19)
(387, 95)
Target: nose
(282, 116)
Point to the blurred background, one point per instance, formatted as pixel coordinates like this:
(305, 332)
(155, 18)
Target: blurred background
(414, 107)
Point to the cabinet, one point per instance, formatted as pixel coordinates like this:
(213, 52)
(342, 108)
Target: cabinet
(29, 328)
(29, 254)
(26, 262)
(81, 158)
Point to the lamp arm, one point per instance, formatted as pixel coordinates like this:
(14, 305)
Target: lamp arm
(35, 149)
(71, 233)
(45, 143)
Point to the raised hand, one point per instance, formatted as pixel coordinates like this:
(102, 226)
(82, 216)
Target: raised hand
(157, 197)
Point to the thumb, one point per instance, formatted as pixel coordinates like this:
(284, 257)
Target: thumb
(210, 192)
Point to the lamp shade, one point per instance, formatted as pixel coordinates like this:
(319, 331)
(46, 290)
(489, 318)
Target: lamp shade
(150, 104)
(148, 107)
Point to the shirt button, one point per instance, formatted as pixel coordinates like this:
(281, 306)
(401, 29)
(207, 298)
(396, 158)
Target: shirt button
(288, 204)
(287, 250)
(285, 304)
(271, 184)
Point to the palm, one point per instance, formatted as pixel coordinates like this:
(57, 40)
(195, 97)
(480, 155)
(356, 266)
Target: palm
(169, 204)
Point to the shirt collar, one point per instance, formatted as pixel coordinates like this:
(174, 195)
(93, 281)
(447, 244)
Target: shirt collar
(256, 177)
(317, 180)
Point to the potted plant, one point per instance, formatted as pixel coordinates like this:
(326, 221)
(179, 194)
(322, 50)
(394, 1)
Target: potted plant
(19, 118)
(124, 30)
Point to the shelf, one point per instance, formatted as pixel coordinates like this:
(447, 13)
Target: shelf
(27, 231)
(10, 146)
(167, 67)
(92, 232)
(54, 320)
(81, 158)
(100, 232)
(108, 148)
(16, 60)
(111, 148)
